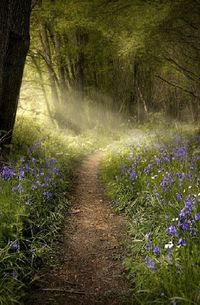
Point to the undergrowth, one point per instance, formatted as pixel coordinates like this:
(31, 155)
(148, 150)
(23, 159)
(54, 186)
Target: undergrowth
(34, 182)
(156, 182)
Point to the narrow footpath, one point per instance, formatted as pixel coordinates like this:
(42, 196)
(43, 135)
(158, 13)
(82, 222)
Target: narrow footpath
(91, 271)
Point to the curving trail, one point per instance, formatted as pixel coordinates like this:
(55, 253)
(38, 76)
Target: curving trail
(91, 270)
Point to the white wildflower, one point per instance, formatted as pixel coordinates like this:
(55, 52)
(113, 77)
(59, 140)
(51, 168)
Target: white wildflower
(169, 245)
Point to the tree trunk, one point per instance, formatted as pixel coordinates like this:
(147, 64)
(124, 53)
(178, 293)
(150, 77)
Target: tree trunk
(49, 65)
(61, 70)
(17, 43)
(196, 111)
(4, 30)
(37, 67)
(81, 40)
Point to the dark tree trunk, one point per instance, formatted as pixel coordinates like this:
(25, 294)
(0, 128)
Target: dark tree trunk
(81, 39)
(142, 90)
(4, 29)
(17, 45)
(196, 111)
(61, 70)
(133, 105)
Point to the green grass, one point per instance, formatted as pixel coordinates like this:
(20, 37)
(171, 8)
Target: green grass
(35, 183)
(152, 180)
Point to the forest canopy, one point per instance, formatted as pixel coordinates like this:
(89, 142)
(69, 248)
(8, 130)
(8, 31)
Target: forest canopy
(131, 58)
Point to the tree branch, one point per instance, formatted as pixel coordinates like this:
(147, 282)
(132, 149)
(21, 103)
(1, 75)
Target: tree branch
(176, 86)
(186, 72)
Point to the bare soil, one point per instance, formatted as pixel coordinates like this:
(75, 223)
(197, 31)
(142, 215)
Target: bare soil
(91, 269)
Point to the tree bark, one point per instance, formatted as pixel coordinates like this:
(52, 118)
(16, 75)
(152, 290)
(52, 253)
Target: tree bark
(4, 30)
(17, 41)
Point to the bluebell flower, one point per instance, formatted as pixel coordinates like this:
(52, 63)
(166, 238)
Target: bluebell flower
(148, 246)
(156, 250)
(192, 165)
(166, 159)
(182, 242)
(27, 166)
(56, 171)
(156, 194)
(182, 214)
(185, 226)
(19, 188)
(197, 216)
(166, 182)
(179, 197)
(15, 246)
(37, 145)
(181, 152)
(192, 232)
(162, 201)
(33, 160)
(7, 173)
(47, 194)
(158, 161)
(34, 172)
(133, 175)
(169, 256)
(172, 230)
(150, 263)
(21, 174)
(148, 169)
(188, 205)
(14, 274)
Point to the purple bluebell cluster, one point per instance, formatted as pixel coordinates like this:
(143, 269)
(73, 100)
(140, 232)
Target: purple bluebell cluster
(30, 186)
(7, 172)
(169, 175)
(150, 263)
(31, 189)
(15, 245)
(31, 174)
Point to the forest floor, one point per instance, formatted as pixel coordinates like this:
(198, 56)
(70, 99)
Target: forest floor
(90, 270)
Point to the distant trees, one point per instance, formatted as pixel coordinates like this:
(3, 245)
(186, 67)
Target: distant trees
(133, 57)
(14, 45)
(183, 54)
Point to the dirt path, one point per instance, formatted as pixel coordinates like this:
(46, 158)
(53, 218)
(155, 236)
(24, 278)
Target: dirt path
(91, 271)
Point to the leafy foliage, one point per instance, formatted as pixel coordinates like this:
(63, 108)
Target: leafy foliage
(123, 56)
(158, 187)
